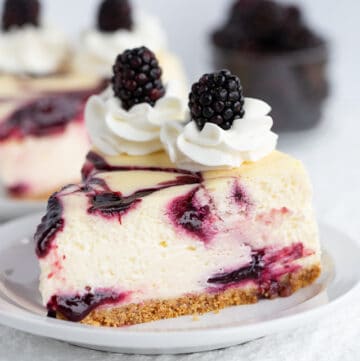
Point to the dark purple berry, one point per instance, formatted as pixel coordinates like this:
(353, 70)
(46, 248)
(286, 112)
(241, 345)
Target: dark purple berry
(114, 15)
(18, 13)
(219, 106)
(217, 98)
(137, 78)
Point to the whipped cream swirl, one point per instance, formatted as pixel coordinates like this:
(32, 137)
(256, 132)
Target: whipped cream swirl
(114, 130)
(33, 50)
(98, 50)
(249, 139)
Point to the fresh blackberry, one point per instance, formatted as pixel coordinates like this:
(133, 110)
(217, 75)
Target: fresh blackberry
(217, 98)
(114, 15)
(17, 13)
(137, 78)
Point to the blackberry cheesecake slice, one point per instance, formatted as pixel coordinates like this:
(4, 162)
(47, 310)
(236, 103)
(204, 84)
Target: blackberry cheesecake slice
(176, 218)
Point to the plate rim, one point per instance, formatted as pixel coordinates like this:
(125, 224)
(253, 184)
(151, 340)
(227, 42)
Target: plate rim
(25, 321)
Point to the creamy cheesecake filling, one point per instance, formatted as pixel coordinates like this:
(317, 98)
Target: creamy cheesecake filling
(34, 167)
(178, 235)
(263, 273)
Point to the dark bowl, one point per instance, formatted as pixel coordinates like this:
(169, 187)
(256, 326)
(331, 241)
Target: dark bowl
(294, 83)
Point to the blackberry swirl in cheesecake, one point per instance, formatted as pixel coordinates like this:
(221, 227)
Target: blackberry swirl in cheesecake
(176, 217)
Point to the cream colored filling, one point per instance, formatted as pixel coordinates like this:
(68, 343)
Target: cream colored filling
(44, 164)
(150, 257)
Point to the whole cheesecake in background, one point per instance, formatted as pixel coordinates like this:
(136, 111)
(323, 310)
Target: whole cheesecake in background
(43, 138)
(119, 26)
(278, 57)
(176, 217)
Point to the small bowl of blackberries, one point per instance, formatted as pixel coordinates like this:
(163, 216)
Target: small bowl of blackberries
(278, 58)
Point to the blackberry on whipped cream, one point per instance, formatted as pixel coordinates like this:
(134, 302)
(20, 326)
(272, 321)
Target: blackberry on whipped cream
(137, 78)
(217, 98)
(128, 116)
(226, 129)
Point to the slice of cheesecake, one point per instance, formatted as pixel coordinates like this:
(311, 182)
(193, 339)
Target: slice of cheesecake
(141, 240)
(176, 218)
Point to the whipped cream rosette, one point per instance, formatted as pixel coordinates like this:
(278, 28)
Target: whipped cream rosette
(33, 50)
(114, 130)
(121, 121)
(227, 129)
(249, 139)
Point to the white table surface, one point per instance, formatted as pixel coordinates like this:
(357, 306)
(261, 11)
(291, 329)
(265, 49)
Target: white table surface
(332, 154)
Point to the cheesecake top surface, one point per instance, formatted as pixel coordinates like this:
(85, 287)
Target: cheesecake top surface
(160, 161)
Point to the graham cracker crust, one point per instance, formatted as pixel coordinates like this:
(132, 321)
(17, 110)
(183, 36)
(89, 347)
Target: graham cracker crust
(154, 310)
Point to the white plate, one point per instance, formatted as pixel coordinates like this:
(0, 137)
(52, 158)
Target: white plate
(20, 305)
(10, 208)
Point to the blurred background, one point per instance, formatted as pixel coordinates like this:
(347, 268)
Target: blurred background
(188, 23)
